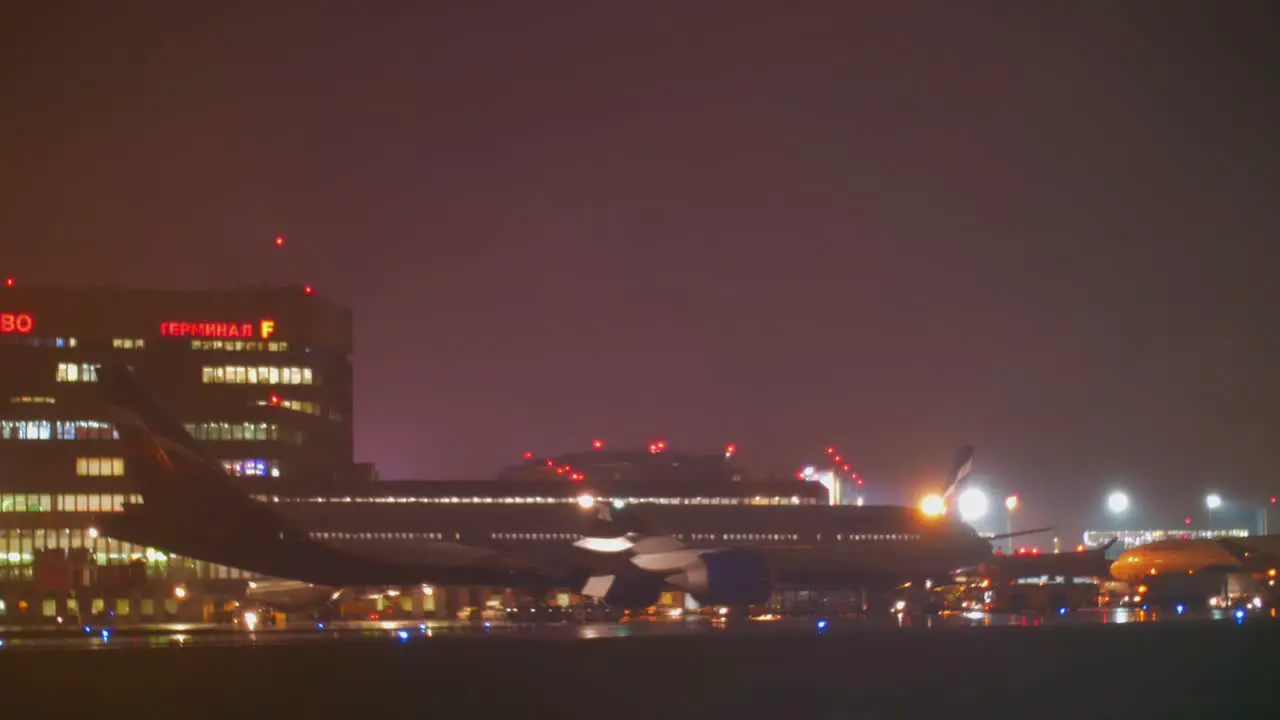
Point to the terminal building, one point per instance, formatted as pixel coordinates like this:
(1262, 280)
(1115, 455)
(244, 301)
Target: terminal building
(1129, 539)
(263, 376)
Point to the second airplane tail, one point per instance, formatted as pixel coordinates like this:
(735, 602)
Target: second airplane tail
(175, 476)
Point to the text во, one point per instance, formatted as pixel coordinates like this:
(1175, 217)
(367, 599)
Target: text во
(16, 323)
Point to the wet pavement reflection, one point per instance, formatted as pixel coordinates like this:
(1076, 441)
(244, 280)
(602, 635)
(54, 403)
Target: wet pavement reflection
(184, 635)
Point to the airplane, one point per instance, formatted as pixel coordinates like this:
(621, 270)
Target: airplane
(192, 508)
(1255, 555)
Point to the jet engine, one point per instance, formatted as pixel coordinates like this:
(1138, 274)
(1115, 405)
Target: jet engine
(727, 577)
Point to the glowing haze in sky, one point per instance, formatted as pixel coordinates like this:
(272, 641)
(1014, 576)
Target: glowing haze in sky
(1043, 231)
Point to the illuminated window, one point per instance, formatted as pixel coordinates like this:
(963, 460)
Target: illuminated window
(128, 343)
(32, 400)
(78, 372)
(26, 429)
(252, 467)
(256, 375)
(100, 467)
(26, 503)
(239, 345)
(85, 430)
(57, 430)
(244, 431)
(302, 406)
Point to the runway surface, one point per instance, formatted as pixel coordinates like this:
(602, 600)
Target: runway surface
(1181, 668)
(69, 638)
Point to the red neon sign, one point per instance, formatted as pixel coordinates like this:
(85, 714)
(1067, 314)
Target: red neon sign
(206, 329)
(16, 323)
(172, 328)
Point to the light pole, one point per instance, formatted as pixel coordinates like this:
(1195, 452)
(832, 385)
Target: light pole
(1010, 504)
(972, 504)
(1212, 502)
(1117, 503)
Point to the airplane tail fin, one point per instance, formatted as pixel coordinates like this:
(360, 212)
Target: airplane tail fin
(960, 470)
(174, 474)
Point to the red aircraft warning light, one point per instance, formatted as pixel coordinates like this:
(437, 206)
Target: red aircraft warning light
(576, 477)
(528, 455)
(8, 282)
(279, 241)
(1273, 500)
(730, 449)
(831, 451)
(1186, 520)
(306, 289)
(274, 399)
(597, 444)
(657, 446)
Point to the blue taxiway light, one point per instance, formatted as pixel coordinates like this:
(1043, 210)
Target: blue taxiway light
(1062, 611)
(1179, 608)
(403, 635)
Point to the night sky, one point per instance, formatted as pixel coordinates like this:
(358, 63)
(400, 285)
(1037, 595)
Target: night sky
(1041, 230)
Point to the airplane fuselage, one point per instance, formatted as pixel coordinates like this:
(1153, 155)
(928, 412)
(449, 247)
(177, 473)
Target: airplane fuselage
(805, 546)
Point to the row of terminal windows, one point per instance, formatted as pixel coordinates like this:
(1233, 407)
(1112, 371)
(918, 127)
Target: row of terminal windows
(55, 342)
(222, 374)
(92, 502)
(878, 536)
(98, 430)
(78, 372)
(100, 466)
(535, 536)
(561, 500)
(243, 431)
(302, 406)
(240, 345)
(257, 375)
(136, 343)
(728, 537)
(376, 536)
(18, 547)
(32, 400)
(252, 467)
(57, 430)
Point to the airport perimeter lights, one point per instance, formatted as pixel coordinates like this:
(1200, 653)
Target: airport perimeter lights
(973, 505)
(1117, 503)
